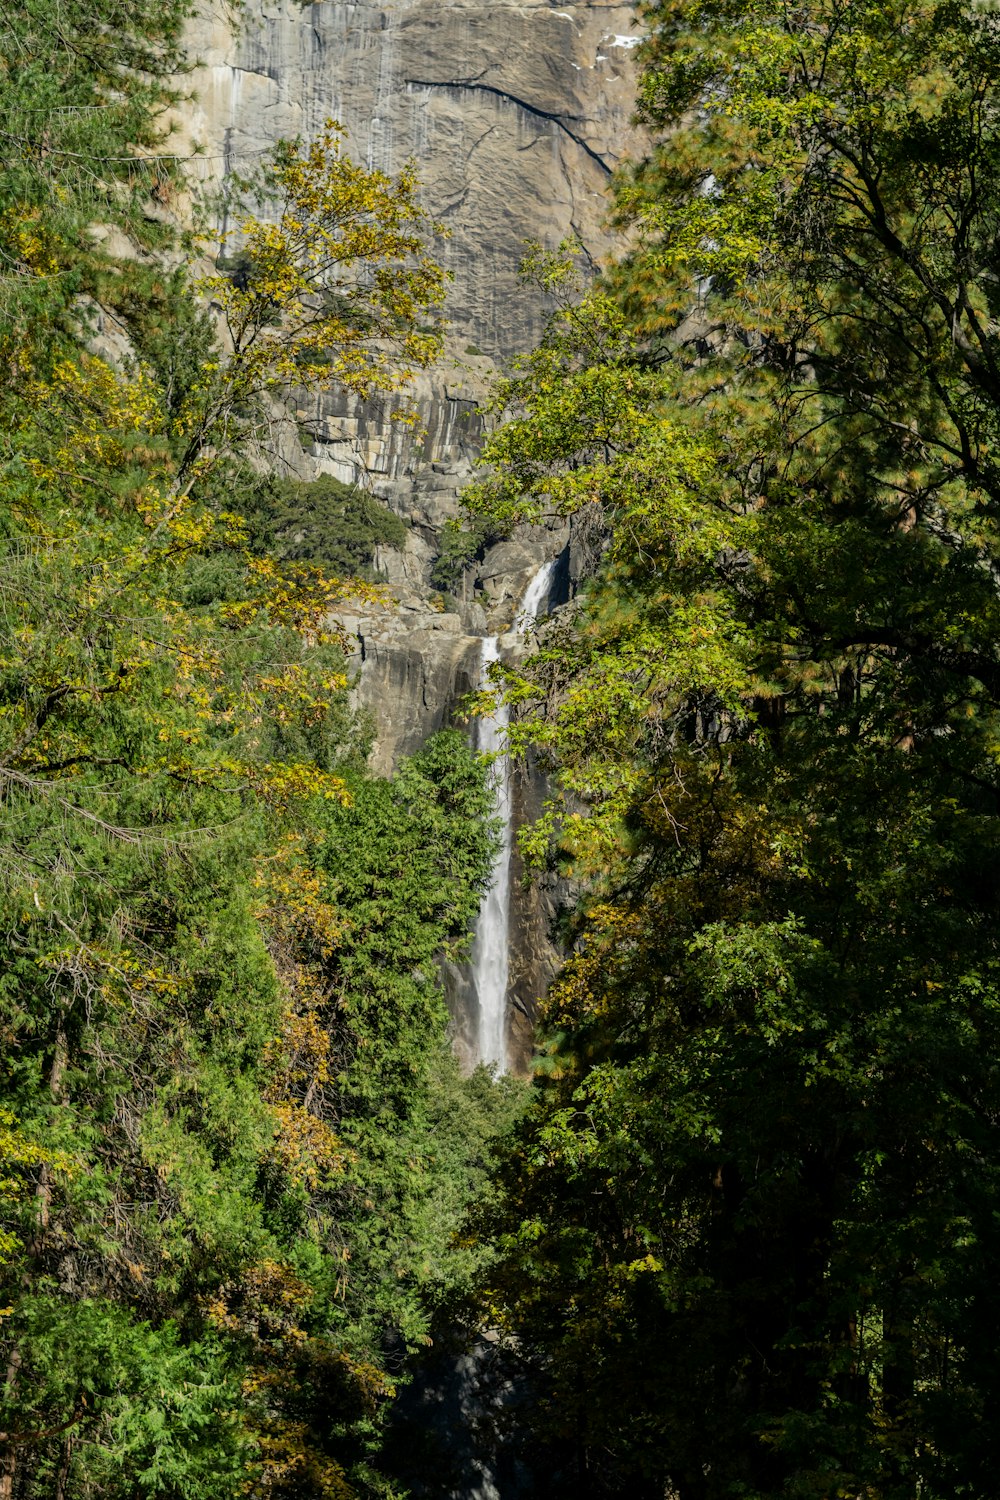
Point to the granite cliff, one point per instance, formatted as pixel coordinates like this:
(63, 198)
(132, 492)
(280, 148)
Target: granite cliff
(516, 114)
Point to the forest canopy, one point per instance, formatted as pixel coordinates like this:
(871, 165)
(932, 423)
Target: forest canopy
(742, 1242)
(234, 1144)
(750, 1221)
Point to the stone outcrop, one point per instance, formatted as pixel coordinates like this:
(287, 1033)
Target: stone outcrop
(415, 666)
(515, 114)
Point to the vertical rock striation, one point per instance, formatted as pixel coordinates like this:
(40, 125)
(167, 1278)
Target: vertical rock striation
(516, 114)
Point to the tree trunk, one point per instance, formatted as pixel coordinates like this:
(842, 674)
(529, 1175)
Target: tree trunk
(8, 1455)
(62, 1479)
(898, 1381)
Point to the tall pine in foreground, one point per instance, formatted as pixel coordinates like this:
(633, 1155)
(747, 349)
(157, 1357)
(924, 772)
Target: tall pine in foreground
(751, 1225)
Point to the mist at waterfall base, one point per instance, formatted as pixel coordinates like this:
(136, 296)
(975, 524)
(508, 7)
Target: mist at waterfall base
(490, 947)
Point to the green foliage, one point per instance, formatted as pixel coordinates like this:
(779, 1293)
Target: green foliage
(152, 1415)
(171, 334)
(385, 1142)
(748, 1222)
(81, 93)
(329, 290)
(191, 1164)
(408, 858)
(458, 546)
(323, 521)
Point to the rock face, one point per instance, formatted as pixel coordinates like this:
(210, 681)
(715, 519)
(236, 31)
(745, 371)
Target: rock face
(516, 114)
(416, 665)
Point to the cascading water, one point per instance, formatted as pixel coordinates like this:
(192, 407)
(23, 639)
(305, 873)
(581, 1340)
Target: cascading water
(490, 946)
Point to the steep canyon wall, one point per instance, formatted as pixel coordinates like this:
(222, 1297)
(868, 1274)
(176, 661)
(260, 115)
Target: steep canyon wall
(516, 114)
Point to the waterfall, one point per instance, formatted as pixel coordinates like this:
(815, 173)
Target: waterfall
(490, 944)
(535, 595)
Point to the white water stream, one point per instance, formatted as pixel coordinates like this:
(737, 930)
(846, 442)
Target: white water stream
(490, 944)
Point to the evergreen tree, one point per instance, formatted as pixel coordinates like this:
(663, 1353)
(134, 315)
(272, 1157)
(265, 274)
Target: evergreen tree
(750, 1221)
